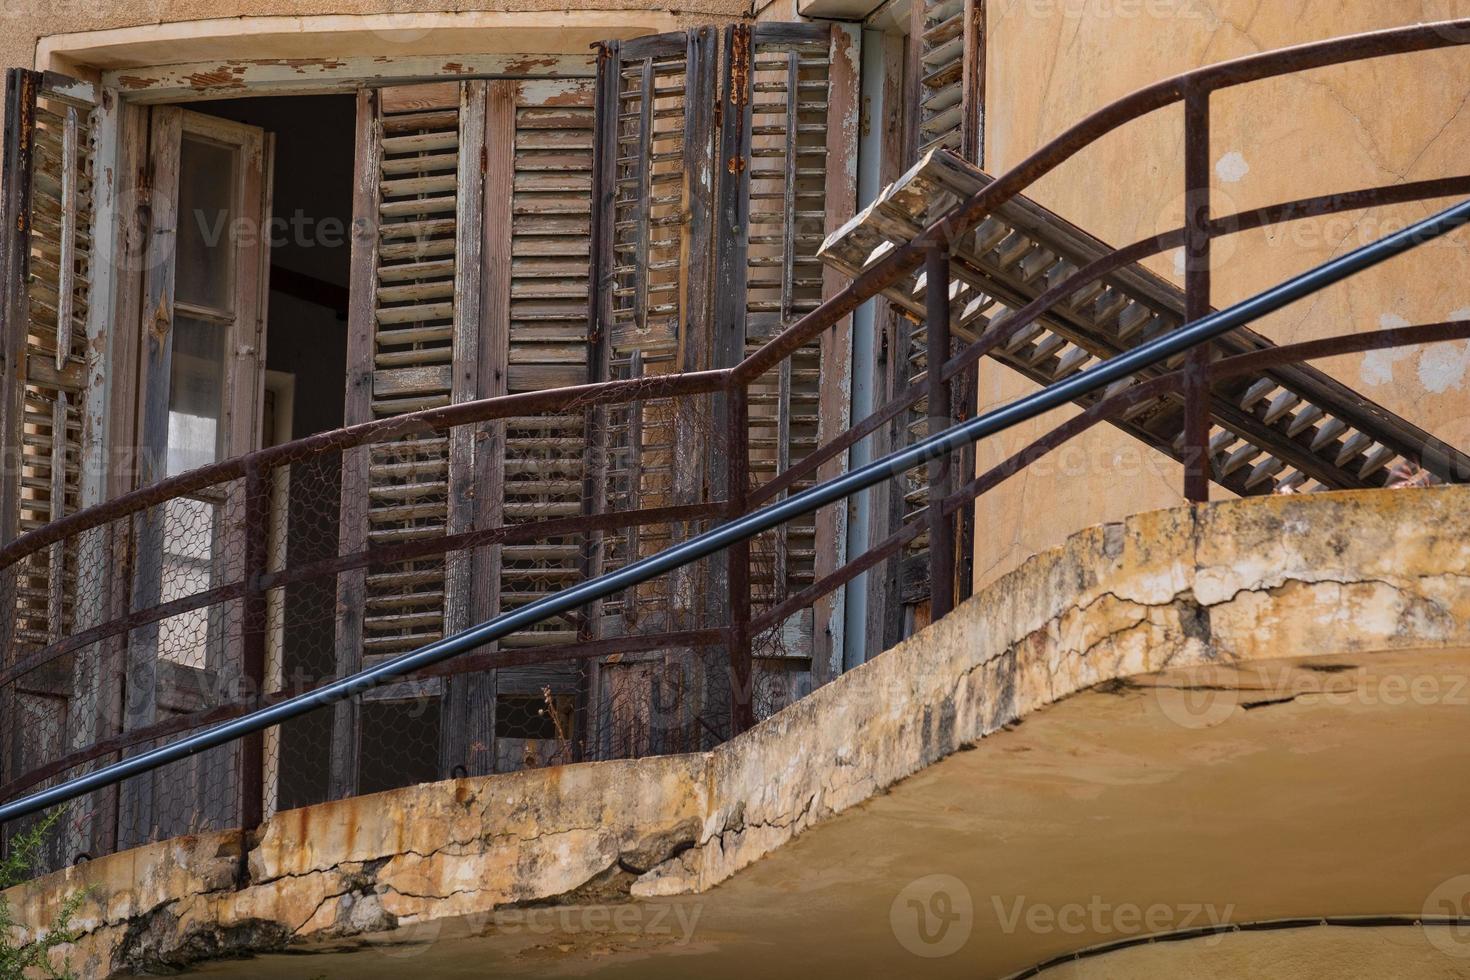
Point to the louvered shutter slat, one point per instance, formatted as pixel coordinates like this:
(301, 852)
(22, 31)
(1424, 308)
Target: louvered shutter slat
(48, 192)
(788, 137)
(655, 187)
(415, 314)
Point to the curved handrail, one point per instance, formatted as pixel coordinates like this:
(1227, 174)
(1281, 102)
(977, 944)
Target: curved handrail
(1100, 411)
(364, 433)
(897, 262)
(742, 529)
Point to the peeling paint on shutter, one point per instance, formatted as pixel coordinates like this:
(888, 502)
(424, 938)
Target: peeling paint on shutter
(789, 135)
(48, 210)
(547, 321)
(655, 198)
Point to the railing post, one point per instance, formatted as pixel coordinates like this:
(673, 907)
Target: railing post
(941, 532)
(253, 640)
(1197, 289)
(737, 557)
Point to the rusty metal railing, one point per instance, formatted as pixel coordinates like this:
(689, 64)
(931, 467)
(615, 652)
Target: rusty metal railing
(742, 529)
(244, 483)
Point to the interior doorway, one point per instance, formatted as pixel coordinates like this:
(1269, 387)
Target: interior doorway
(309, 236)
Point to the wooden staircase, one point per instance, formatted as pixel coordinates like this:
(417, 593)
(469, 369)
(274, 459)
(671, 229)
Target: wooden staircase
(1287, 428)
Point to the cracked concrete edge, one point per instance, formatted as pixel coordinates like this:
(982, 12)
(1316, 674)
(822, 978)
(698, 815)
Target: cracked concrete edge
(1231, 582)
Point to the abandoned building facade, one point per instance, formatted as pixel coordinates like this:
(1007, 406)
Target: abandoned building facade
(329, 336)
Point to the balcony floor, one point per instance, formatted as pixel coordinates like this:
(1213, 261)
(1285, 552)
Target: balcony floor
(1331, 787)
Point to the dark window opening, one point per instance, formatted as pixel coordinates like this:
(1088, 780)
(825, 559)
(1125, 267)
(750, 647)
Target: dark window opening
(306, 352)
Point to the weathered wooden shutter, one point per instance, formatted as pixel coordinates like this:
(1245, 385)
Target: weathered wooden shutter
(950, 72)
(655, 189)
(47, 247)
(537, 318)
(402, 348)
(788, 177)
(538, 218)
(46, 213)
(50, 417)
(654, 197)
(413, 343)
(660, 146)
(471, 281)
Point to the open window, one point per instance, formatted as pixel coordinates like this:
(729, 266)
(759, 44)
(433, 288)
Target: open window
(201, 388)
(204, 369)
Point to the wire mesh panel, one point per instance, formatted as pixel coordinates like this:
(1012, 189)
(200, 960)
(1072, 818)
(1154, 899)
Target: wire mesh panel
(302, 621)
(189, 556)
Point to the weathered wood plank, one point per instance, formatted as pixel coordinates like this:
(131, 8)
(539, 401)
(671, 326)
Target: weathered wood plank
(972, 134)
(467, 727)
(835, 400)
(421, 98)
(357, 407)
(882, 623)
(15, 210)
(230, 77)
(137, 816)
(412, 380)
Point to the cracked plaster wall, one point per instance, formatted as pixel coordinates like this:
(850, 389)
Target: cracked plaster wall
(1052, 62)
(1229, 583)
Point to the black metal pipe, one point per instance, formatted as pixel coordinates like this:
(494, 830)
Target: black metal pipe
(744, 528)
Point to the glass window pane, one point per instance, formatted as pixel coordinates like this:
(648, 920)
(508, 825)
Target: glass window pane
(204, 262)
(196, 394)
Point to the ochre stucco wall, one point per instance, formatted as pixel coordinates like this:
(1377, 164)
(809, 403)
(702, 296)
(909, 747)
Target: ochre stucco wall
(1051, 62)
